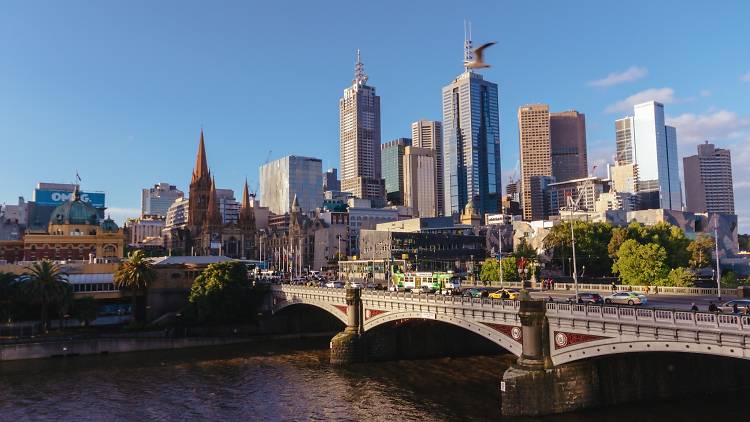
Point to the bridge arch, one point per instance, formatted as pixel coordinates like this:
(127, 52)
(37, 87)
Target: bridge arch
(280, 305)
(486, 331)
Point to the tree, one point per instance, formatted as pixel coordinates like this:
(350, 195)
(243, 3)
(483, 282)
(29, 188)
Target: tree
(524, 250)
(729, 279)
(669, 237)
(221, 293)
(8, 295)
(490, 270)
(45, 284)
(592, 240)
(85, 309)
(700, 251)
(136, 274)
(644, 265)
(681, 277)
(510, 269)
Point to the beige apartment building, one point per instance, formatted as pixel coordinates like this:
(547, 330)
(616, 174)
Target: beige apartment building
(429, 134)
(535, 152)
(420, 181)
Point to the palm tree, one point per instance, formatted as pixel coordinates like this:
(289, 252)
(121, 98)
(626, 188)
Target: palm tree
(46, 284)
(136, 274)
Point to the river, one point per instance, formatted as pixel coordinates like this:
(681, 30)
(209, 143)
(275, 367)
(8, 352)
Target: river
(285, 381)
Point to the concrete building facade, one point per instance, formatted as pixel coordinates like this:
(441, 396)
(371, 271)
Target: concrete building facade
(156, 201)
(568, 145)
(420, 184)
(429, 134)
(708, 180)
(536, 155)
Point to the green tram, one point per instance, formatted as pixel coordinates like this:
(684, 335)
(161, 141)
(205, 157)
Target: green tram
(436, 281)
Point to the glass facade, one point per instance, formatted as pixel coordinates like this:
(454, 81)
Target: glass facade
(285, 178)
(392, 168)
(471, 144)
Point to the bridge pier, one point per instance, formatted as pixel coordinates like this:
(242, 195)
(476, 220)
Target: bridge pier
(348, 346)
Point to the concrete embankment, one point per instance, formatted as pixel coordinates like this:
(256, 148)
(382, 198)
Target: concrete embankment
(93, 346)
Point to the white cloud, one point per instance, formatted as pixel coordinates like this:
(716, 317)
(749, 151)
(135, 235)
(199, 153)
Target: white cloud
(662, 95)
(121, 214)
(705, 93)
(745, 77)
(631, 74)
(721, 124)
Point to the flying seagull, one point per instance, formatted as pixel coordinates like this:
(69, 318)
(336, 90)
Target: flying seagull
(478, 62)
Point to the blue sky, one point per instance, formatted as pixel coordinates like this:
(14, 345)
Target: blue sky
(119, 90)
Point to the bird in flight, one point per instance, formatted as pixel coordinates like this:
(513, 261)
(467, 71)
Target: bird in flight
(478, 62)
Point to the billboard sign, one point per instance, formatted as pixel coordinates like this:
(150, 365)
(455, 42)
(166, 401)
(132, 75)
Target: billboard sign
(57, 197)
(496, 219)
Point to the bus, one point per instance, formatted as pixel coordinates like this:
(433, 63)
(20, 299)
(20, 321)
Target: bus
(441, 282)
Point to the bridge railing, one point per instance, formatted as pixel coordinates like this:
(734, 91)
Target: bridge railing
(440, 299)
(596, 287)
(655, 317)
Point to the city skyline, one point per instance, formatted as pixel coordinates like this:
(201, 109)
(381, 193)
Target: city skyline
(110, 131)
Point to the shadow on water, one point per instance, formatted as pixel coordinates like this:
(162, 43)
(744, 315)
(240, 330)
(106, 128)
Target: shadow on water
(288, 380)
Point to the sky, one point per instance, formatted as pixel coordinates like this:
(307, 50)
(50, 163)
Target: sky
(118, 91)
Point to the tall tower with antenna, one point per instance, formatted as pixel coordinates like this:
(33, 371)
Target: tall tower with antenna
(359, 139)
(468, 46)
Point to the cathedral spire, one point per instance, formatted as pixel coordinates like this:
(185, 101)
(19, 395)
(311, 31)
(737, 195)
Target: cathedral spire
(247, 213)
(201, 163)
(213, 215)
(245, 196)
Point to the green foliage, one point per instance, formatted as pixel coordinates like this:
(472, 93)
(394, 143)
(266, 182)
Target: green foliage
(681, 277)
(85, 309)
(491, 269)
(700, 251)
(744, 240)
(136, 274)
(663, 234)
(592, 240)
(643, 265)
(10, 296)
(524, 250)
(221, 293)
(46, 285)
(729, 280)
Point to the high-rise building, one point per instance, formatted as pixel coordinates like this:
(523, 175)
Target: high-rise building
(429, 134)
(644, 139)
(283, 179)
(624, 140)
(471, 145)
(392, 169)
(568, 145)
(229, 208)
(331, 180)
(419, 181)
(156, 201)
(536, 155)
(708, 180)
(359, 136)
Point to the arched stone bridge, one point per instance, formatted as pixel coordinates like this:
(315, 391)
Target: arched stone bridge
(569, 332)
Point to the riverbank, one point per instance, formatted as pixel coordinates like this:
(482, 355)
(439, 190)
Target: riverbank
(120, 344)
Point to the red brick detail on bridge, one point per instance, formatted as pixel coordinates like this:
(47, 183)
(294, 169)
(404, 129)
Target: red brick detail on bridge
(341, 308)
(511, 331)
(563, 339)
(372, 313)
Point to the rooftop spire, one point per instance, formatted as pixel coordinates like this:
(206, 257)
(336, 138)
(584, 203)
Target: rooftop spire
(245, 196)
(213, 216)
(201, 164)
(468, 47)
(360, 77)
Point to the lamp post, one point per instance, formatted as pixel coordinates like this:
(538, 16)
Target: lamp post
(718, 268)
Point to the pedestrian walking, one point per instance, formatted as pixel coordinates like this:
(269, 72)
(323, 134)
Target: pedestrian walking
(747, 310)
(712, 307)
(694, 308)
(614, 286)
(735, 308)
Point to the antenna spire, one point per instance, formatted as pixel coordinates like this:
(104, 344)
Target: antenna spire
(360, 77)
(468, 47)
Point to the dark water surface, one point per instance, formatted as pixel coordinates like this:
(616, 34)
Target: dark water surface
(287, 381)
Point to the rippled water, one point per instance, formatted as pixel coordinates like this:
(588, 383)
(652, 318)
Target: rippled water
(278, 382)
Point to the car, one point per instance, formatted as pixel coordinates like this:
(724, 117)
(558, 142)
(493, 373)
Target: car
(626, 298)
(335, 284)
(593, 298)
(423, 289)
(728, 307)
(355, 284)
(508, 294)
(473, 292)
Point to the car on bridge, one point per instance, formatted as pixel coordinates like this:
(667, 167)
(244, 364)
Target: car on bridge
(423, 289)
(508, 294)
(474, 292)
(588, 298)
(335, 284)
(728, 307)
(626, 298)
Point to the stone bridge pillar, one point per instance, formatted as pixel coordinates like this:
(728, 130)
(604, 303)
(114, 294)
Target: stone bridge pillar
(348, 345)
(535, 350)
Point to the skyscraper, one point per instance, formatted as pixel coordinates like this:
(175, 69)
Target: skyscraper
(536, 156)
(419, 181)
(568, 145)
(331, 180)
(288, 177)
(359, 146)
(643, 139)
(429, 134)
(392, 169)
(156, 201)
(471, 143)
(708, 180)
